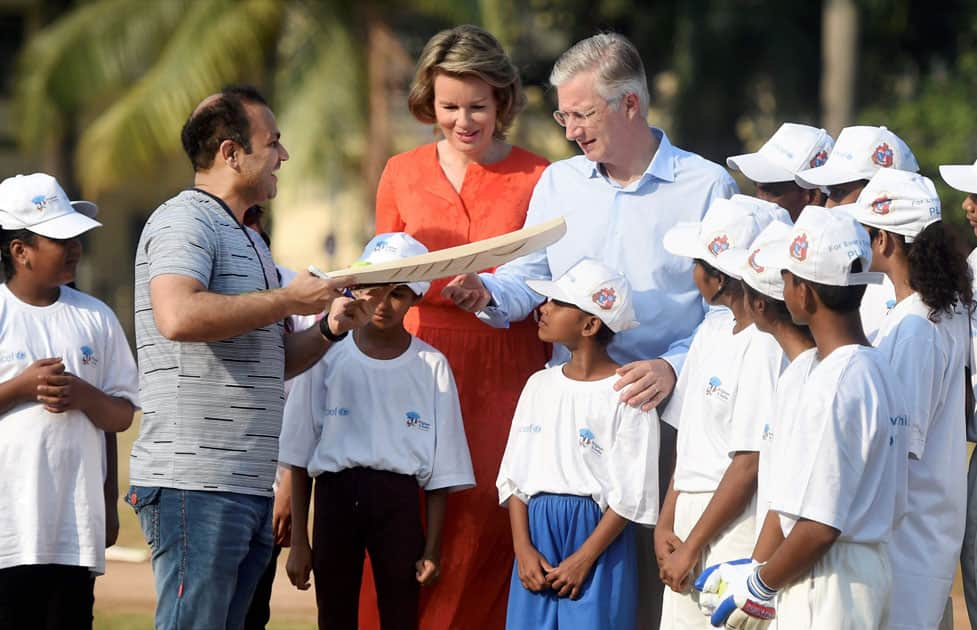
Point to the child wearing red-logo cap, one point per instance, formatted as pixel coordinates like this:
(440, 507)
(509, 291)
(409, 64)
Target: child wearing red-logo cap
(579, 467)
(721, 401)
(840, 471)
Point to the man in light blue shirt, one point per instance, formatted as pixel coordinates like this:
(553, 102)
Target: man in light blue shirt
(619, 198)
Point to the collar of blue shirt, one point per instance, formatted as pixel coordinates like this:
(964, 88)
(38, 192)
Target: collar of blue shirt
(662, 165)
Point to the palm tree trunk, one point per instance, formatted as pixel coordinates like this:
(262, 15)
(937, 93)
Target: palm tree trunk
(839, 56)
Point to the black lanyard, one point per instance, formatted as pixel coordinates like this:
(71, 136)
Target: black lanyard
(243, 229)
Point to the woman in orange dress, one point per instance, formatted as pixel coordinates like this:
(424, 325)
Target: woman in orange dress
(467, 186)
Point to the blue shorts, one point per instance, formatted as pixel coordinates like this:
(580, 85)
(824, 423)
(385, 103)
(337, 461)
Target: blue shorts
(558, 525)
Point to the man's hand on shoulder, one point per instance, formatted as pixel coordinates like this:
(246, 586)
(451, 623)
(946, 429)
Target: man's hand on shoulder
(467, 292)
(646, 383)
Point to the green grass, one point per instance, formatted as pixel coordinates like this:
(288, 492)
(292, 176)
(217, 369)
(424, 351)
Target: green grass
(144, 621)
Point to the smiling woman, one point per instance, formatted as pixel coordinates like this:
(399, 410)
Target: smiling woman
(467, 186)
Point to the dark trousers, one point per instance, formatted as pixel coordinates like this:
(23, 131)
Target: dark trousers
(259, 613)
(46, 597)
(373, 511)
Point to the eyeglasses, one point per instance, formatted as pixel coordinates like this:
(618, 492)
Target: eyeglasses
(583, 119)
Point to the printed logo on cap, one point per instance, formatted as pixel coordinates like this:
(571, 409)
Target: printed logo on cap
(751, 261)
(798, 249)
(40, 202)
(719, 245)
(883, 155)
(882, 205)
(605, 298)
(819, 159)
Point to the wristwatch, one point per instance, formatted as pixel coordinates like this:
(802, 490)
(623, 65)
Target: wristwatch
(327, 333)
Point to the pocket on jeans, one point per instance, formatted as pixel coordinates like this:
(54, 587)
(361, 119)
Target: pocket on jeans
(145, 502)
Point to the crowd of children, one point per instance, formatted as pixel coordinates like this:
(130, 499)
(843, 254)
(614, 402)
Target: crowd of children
(819, 480)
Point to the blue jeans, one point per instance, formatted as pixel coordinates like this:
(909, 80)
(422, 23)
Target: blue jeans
(209, 550)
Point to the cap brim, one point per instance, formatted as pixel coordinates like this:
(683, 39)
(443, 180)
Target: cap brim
(963, 177)
(759, 169)
(729, 262)
(828, 174)
(67, 225)
(683, 240)
(550, 289)
(87, 208)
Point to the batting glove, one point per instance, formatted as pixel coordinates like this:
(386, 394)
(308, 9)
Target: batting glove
(736, 596)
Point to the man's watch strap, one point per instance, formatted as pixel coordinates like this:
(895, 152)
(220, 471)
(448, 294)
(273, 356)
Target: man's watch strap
(327, 333)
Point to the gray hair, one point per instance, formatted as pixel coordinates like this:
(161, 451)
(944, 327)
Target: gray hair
(618, 67)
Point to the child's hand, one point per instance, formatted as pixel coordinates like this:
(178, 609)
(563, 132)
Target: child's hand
(428, 570)
(568, 578)
(676, 570)
(36, 375)
(532, 568)
(61, 392)
(666, 542)
(299, 566)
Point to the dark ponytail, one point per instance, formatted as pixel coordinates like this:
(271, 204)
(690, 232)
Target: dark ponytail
(6, 258)
(938, 270)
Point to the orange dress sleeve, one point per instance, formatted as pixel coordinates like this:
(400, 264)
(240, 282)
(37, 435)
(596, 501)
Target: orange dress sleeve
(388, 217)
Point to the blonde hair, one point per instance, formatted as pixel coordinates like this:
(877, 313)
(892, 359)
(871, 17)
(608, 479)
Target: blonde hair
(616, 63)
(467, 51)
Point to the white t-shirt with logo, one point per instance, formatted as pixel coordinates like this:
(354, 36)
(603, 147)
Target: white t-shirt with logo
(577, 437)
(722, 399)
(52, 465)
(845, 460)
(400, 415)
(929, 358)
(780, 423)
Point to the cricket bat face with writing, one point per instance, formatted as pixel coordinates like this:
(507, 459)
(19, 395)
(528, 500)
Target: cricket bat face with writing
(453, 261)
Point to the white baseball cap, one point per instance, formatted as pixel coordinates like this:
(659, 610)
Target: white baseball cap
(821, 248)
(766, 280)
(791, 149)
(859, 153)
(595, 288)
(37, 203)
(728, 225)
(897, 201)
(393, 246)
(963, 177)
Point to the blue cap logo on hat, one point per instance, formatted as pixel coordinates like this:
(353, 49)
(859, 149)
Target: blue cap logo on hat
(819, 159)
(40, 202)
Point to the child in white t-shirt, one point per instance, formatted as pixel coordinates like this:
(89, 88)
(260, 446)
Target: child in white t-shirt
(374, 419)
(579, 466)
(66, 378)
(722, 400)
(764, 299)
(842, 466)
(925, 337)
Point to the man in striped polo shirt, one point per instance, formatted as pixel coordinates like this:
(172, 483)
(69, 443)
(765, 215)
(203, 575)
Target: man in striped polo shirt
(212, 359)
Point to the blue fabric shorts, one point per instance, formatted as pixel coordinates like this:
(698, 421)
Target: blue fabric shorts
(558, 525)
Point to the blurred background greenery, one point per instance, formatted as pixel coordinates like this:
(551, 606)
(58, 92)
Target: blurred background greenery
(96, 92)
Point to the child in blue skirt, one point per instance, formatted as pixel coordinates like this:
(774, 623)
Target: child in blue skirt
(579, 467)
